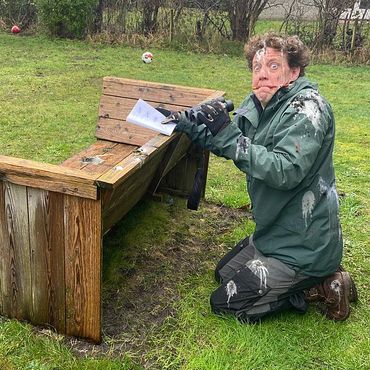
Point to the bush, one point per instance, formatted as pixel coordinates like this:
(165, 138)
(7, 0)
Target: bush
(20, 12)
(66, 18)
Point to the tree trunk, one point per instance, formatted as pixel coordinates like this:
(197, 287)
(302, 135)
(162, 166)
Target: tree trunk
(238, 20)
(150, 14)
(243, 15)
(98, 17)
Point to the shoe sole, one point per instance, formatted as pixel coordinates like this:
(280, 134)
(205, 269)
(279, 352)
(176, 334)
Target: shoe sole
(346, 288)
(353, 296)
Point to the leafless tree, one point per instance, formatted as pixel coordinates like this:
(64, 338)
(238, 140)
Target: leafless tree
(243, 15)
(329, 12)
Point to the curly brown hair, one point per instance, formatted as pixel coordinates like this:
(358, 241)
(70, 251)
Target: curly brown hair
(296, 52)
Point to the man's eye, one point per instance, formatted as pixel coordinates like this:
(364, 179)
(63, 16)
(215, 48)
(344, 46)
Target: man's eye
(274, 66)
(257, 68)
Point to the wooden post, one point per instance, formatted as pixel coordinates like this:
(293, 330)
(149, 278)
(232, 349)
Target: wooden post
(83, 250)
(47, 244)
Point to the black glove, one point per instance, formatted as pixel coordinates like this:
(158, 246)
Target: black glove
(214, 115)
(171, 117)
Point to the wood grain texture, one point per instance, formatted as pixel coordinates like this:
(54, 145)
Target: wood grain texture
(47, 177)
(112, 124)
(155, 91)
(123, 132)
(117, 175)
(180, 179)
(120, 95)
(116, 107)
(16, 281)
(83, 243)
(46, 226)
(174, 153)
(5, 257)
(99, 157)
(120, 200)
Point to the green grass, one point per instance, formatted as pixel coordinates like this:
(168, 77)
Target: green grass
(49, 98)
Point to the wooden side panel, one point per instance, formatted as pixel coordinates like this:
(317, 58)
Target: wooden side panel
(45, 211)
(50, 259)
(117, 202)
(83, 267)
(138, 159)
(174, 153)
(16, 282)
(180, 179)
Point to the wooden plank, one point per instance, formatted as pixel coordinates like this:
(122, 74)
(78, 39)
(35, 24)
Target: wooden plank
(83, 245)
(112, 123)
(174, 153)
(123, 132)
(48, 177)
(99, 157)
(115, 107)
(15, 249)
(117, 175)
(120, 95)
(120, 200)
(46, 219)
(75, 162)
(180, 179)
(154, 91)
(5, 257)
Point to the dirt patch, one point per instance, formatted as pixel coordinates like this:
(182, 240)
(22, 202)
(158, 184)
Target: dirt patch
(148, 288)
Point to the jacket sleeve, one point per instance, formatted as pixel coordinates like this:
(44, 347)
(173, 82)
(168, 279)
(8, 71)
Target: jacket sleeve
(198, 134)
(296, 143)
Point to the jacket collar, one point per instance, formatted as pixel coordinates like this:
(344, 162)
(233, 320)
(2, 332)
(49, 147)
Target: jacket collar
(251, 109)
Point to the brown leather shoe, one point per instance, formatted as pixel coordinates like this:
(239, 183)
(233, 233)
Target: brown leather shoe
(337, 289)
(318, 293)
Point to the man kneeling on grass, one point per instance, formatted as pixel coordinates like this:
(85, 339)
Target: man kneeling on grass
(282, 137)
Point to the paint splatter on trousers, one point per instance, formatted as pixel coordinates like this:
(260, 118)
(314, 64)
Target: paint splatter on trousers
(253, 285)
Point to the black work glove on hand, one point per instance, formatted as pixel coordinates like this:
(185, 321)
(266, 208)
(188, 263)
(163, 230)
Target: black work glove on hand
(214, 116)
(171, 117)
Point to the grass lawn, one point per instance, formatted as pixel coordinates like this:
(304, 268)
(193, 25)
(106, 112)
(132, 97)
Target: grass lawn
(157, 285)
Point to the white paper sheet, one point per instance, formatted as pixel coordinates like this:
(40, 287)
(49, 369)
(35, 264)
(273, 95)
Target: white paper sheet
(145, 115)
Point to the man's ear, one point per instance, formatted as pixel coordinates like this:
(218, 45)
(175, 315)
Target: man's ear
(295, 73)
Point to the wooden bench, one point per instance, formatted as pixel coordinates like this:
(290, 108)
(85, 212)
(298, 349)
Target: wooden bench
(52, 218)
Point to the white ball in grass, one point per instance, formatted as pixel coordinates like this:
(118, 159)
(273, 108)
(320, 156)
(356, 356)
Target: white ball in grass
(147, 57)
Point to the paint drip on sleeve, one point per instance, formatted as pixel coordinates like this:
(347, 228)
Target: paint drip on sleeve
(308, 204)
(242, 146)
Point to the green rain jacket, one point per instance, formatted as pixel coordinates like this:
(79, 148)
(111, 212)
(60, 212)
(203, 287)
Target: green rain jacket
(286, 151)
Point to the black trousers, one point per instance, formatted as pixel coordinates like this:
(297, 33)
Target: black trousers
(253, 285)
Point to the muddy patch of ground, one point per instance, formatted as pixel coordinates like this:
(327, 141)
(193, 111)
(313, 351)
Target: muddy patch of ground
(149, 280)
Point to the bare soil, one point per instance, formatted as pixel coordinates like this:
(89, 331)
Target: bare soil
(136, 308)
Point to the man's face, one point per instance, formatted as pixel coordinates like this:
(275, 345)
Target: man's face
(270, 71)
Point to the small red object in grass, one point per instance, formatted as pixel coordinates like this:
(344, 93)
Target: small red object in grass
(15, 29)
